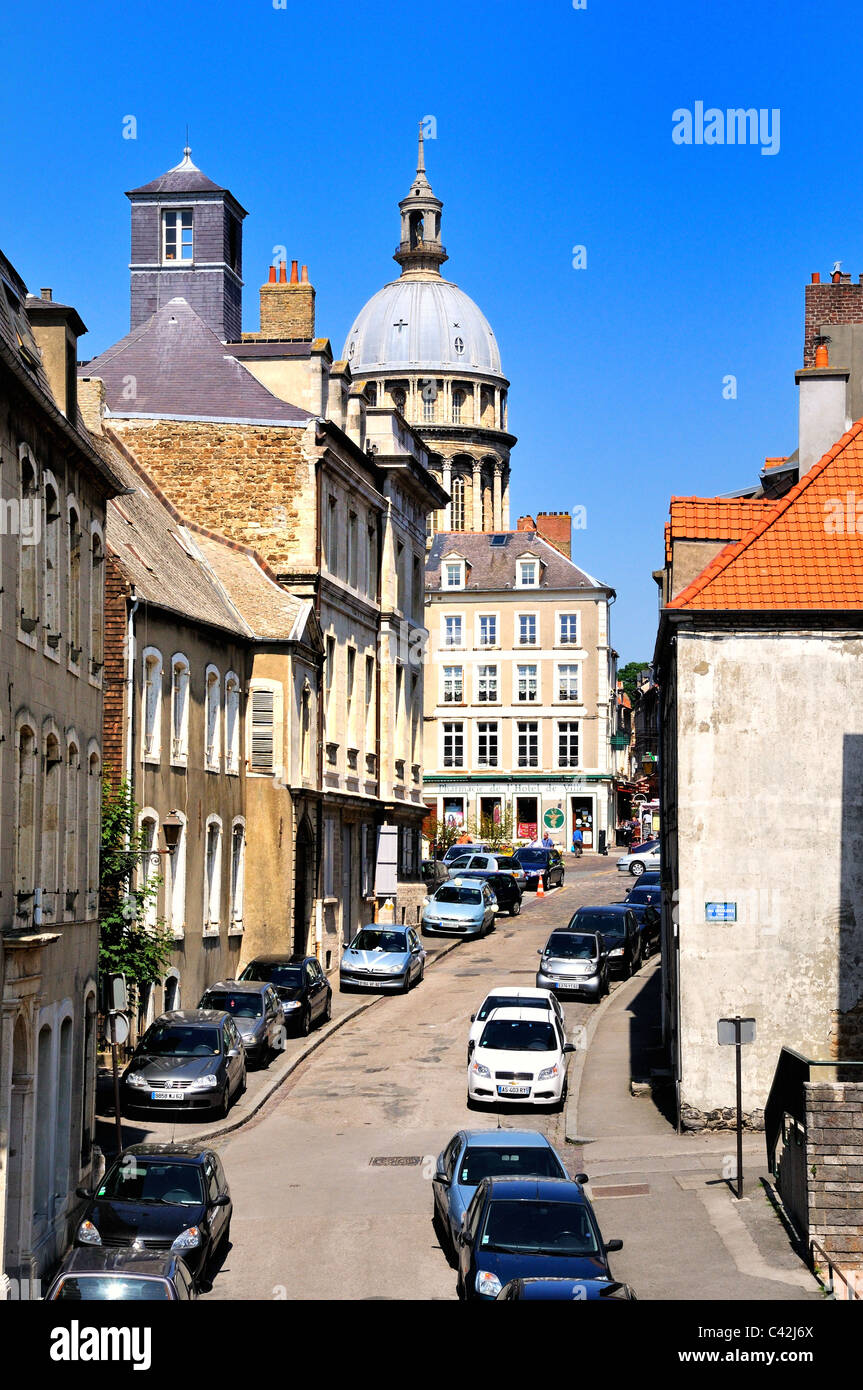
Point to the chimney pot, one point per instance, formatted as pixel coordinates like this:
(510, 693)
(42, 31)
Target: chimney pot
(304, 275)
(822, 356)
(283, 273)
(816, 277)
(295, 279)
(836, 277)
(272, 279)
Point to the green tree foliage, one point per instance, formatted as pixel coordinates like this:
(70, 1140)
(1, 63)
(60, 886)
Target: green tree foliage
(629, 675)
(128, 944)
(497, 833)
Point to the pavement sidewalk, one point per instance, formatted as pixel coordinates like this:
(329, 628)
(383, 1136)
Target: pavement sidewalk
(686, 1236)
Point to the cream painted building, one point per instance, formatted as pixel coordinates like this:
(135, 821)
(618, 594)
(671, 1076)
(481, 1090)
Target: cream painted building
(520, 687)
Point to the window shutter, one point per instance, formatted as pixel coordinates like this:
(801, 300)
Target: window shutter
(262, 731)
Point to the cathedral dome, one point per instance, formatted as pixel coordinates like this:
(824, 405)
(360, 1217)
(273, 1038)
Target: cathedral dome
(412, 325)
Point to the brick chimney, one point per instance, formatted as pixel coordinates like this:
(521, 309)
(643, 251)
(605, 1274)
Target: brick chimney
(557, 528)
(288, 306)
(525, 523)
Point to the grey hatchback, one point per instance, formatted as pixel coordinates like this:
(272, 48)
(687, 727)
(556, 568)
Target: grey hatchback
(257, 1011)
(189, 1059)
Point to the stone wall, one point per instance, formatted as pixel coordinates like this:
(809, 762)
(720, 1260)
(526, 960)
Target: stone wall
(834, 1161)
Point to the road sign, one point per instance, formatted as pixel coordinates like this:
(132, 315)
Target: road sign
(720, 912)
(726, 1031)
(121, 1028)
(553, 818)
(735, 1032)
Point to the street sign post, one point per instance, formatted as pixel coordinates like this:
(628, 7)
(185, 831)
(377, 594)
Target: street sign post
(735, 1032)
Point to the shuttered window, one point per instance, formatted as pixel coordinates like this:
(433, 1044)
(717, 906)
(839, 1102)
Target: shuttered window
(262, 731)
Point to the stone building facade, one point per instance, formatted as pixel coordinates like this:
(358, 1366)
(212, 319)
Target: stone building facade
(54, 489)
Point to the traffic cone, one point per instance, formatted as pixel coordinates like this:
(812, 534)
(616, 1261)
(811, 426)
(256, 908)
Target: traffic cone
(540, 891)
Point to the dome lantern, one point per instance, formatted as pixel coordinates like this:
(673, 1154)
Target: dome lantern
(420, 252)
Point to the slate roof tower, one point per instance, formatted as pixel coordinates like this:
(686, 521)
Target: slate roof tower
(187, 243)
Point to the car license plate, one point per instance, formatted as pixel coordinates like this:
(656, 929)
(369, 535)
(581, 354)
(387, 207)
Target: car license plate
(513, 1090)
(368, 984)
(167, 1095)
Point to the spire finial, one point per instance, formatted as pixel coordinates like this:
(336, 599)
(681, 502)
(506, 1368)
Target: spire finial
(421, 157)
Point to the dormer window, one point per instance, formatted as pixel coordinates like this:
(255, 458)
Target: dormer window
(453, 574)
(528, 573)
(177, 240)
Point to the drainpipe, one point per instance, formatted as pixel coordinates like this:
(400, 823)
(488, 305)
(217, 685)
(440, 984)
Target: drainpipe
(319, 816)
(130, 682)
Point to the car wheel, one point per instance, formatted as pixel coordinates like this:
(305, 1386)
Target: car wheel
(241, 1089)
(306, 1022)
(545, 883)
(516, 908)
(224, 1104)
(407, 984)
(422, 973)
(561, 1104)
(328, 1009)
(636, 869)
(471, 1103)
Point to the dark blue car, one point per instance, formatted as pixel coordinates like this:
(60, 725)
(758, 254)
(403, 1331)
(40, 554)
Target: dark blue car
(519, 1228)
(570, 1290)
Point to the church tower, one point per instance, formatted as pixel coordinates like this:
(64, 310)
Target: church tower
(427, 350)
(187, 243)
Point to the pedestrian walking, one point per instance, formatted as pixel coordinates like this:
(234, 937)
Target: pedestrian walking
(577, 842)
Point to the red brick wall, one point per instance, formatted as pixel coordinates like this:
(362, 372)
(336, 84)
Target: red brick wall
(557, 528)
(826, 304)
(114, 671)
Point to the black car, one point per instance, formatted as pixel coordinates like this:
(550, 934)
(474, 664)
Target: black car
(537, 863)
(93, 1274)
(572, 1290)
(617, 924)
(189, 1059)
(304, 990)
(505, 889)
(645, 902)
(160, 1198)
(649, 879)
(515, 1228)
(434, 873)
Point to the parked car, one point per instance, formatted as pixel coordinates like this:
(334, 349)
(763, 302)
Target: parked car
(469, 863)
(507, 891)
(304, 991)
(515, 1228)
(574, 962)
(460, 907)
(121, 1276)
(617, 924)
(381, 957)
(472, 1155)
(520, 1057)
(649, 879)
(434, 873)
(508, 864)
(189, 1058)
(571, 1290)
(161, 1198)
(637, 861)
(257, 1011)
(511, 997)
(472, 847)
(537, 863)
(646, 904)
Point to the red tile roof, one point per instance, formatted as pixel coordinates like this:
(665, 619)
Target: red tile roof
(802, 552)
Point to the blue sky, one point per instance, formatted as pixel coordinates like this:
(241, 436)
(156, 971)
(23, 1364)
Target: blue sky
(553, 130)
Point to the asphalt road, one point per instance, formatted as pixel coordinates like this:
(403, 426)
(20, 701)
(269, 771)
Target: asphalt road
(314, 1215)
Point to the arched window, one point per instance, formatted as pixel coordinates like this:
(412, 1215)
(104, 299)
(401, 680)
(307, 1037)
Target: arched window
(213, 876)
(175, 878)
(179, 709)
(457, 522)
(45, 1094)
(52, 579)
(51, 879)
(28, 550)
(94, 825)
(151, 705)
(74, 586)
(211, 708)
(171, 998)
(429, 395)
(97, 601)
(457, 404)
(399, 400)
(148, 872)
(232, 722)
(72, 811)
(238, 868)
(63, 1114)
(305, 726)
(25, 811)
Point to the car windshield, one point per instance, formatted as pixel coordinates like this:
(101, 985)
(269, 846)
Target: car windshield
(125, 1288)
(539, 1228)
(506, 861)
(573, 947)
(462, 862)
(274, 974)
(510, 1001)
(643, 895)
(137, 1179)
(371, 940)
(519, 1035)
(537, 1162)
(175, 1040)
(609, 923)
(532, 856)
(239, 1005)
(466, 896)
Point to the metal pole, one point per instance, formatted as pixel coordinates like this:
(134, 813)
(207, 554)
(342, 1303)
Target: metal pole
(118, 1121)
(738, 1052)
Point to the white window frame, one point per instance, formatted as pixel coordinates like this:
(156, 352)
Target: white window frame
(151, 705)
(516, 697)
(516, 635)
(455, 646)
(175, 882)
(30, 563)
(52, 593)
(517, 765)
(495, 725)
(148, 816)
(559, 698)
(180, 729)
(558, 619)
(558, 727)
(460, 725)
(443, 684)
(232, 724)
(212, 879)
(96, 605)
(175, 216)
(238, 876)
(212, 719)
(479, 677)
(520, 563)
(479, 645)
(276, 688)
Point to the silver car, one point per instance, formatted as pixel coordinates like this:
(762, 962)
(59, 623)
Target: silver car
(645, 857)
(382, 957)
(460, 907)
(256, 1010)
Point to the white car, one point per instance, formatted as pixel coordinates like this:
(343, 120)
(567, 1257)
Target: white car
(645, 857)
(467, 863)
(511, 997)
(520, 1058)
